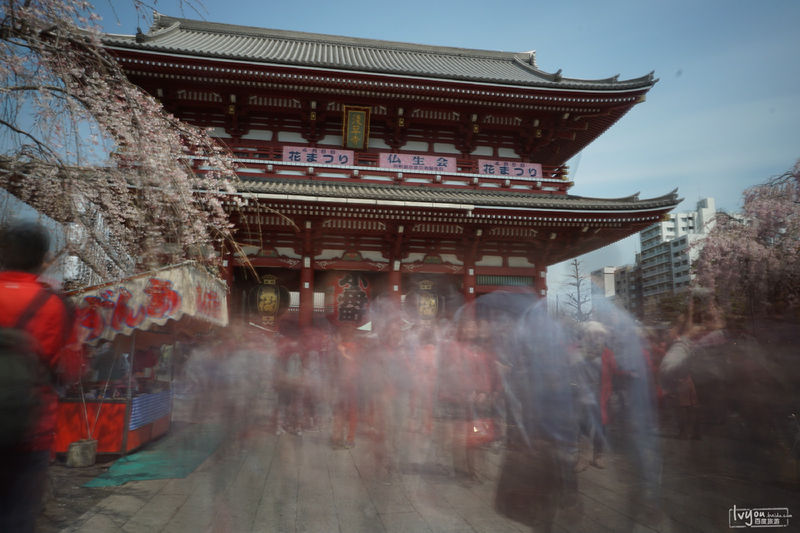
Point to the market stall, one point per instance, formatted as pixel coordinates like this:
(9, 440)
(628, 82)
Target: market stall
(131, 327)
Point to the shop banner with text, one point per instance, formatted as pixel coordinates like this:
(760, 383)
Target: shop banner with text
(150, 299)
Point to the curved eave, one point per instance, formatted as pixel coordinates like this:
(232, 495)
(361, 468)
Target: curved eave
(455, 199)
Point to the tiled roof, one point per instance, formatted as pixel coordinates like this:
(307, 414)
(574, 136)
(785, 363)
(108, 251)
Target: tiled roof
(225, 41)
(291, 189)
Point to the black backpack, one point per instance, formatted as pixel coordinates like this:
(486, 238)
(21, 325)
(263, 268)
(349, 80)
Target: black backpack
(22, 372)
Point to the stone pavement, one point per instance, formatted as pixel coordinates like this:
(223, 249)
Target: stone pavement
(258, 481)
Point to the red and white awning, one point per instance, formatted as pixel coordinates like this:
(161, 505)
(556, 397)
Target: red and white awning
(150, 300)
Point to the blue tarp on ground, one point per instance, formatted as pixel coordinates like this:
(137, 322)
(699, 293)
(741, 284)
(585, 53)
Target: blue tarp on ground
(176, 455)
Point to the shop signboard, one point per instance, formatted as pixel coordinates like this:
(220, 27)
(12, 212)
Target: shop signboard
(148, 300)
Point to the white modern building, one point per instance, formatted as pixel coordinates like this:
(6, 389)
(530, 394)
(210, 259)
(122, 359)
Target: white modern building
(663, 267)
(628, 287)
(603, 282)
(668, 250)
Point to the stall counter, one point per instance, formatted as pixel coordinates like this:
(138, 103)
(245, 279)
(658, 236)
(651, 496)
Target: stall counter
(121, 426)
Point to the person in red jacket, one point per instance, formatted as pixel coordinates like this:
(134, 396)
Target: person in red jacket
(23, 472)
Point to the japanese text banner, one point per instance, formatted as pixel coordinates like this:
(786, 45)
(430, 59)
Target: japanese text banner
(430, 163)
(327, 156)
(510, 169)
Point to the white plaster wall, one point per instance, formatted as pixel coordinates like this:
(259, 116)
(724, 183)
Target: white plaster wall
(519, 262)
(331, 140)
(328, 254)
(483, 150)
(373, 255)
(490, 261)
(507, 153)
(291, 137)
(259, 135)
(445, 148)
(374, 142)
(418, 146)
(414, 257)
(220, 133)
(287, 252)
(450, 258)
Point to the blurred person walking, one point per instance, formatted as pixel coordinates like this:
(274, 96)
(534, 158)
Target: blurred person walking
(34, 319)
(588, 370)
(348, 354)
(288, 382)
(464, 393)
(537, 477)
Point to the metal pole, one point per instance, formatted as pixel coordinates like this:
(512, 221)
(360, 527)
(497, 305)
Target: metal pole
(128, 396)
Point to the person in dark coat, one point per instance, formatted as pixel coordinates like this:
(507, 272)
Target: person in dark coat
(538, 476)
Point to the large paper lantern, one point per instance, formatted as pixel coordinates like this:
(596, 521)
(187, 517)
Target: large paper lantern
(270, 300)
(423, 301)
(347, 299)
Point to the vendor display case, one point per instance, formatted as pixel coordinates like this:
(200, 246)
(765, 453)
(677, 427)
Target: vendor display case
(122, 425)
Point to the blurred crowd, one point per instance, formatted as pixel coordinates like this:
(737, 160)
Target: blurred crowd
(500, 391)
(503, 391)
(447, 397)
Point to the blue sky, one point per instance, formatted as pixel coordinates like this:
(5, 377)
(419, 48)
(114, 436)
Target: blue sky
(725, 114)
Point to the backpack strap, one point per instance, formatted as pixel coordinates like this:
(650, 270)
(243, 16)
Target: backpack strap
(35, 304)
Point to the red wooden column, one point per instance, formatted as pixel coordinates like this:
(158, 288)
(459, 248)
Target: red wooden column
(540, 283)
(470, 253)
(469, 281)
(306, 314)
(395, 282)
(395, 277)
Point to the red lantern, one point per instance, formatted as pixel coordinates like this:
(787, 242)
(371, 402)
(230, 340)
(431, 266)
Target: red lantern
(347, 299)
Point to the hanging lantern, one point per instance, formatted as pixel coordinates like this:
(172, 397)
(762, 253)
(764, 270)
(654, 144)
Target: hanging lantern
(423, 301)
(270, 300)
(427, 301)
(347, 299)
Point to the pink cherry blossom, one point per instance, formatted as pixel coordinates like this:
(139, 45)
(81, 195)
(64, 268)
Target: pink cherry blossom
(83, 145)
(752, 261)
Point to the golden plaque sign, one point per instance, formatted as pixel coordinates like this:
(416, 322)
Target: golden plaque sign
(355, 127)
